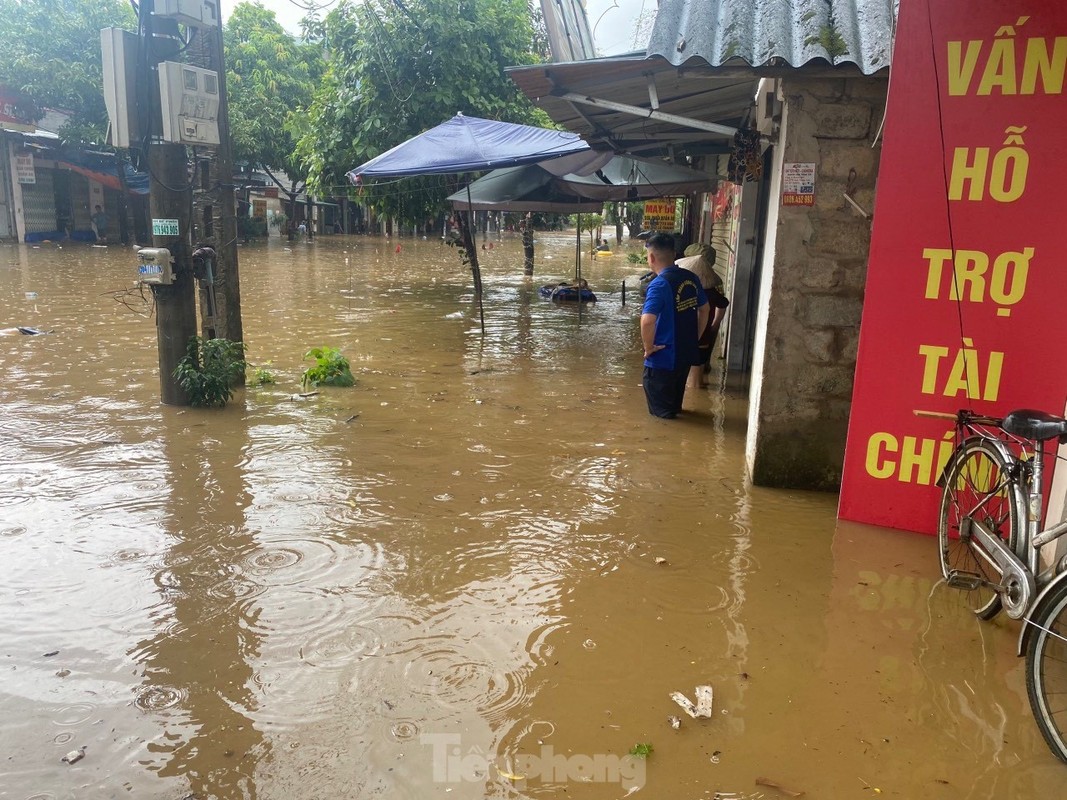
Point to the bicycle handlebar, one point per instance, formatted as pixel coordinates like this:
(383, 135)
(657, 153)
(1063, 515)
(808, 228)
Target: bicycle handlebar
(962, 417)
(937, 414)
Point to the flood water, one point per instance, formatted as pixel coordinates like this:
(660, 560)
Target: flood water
(478, 573)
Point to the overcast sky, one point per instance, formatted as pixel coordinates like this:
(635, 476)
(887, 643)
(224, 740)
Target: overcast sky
(613, 21)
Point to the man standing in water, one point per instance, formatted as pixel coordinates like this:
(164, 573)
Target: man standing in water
(675, 311)
(100, 223)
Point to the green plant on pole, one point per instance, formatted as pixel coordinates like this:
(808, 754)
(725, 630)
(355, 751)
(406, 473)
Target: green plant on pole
(209, 370)
(330, 369)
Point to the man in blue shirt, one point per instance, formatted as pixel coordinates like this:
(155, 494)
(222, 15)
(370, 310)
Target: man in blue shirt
(675, 311)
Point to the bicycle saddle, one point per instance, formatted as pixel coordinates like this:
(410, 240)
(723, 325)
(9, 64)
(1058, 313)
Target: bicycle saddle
(1035, 425)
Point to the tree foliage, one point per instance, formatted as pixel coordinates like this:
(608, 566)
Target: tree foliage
(399, 67)
(50, 54)
(270, 78)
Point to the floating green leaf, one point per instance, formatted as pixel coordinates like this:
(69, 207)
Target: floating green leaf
(641, 750)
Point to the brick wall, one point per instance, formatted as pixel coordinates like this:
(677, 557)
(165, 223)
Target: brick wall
(812, 284)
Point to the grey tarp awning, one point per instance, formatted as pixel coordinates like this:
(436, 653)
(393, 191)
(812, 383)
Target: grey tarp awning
(533, 188)
(521, 189)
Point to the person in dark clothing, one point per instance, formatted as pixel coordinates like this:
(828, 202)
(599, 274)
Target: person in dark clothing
(675, 312)
(100, 223)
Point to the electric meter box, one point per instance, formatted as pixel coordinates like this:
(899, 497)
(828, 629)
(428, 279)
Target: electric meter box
(196, 13)
(189, 97)
(154, 266)
(118, 49)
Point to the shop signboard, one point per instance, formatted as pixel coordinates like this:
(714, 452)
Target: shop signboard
(659, 215)
(13, 116)
(24, 169)
(966, 273)
(798, 184)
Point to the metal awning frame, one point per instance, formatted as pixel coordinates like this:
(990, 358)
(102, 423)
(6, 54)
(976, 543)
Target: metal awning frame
(636, 104)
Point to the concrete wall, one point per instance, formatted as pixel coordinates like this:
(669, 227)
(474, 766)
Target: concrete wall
(811, 291)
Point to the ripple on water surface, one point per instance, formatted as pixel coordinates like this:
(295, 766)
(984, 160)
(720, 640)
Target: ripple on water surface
(495, 505)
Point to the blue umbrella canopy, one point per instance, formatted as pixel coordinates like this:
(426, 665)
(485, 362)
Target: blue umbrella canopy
(470, 144)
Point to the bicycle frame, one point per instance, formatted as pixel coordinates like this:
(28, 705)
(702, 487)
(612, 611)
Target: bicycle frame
(1035, 538)
(1028, 459)
(1030, 480)
(995, 475)
(1024, 584)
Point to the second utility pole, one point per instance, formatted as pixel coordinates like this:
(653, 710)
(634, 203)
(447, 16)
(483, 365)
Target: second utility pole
(169, 199)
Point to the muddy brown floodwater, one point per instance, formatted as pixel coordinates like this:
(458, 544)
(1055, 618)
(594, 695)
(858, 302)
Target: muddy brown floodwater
(447, 581)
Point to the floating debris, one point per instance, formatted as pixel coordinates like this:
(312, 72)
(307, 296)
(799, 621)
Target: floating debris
(675, 722)
(74, 756)
(775, 785)
(660, 560)
(641, 749)
(702, 708)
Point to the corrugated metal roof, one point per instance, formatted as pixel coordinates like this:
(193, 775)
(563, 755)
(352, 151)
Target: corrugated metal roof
(769, 32)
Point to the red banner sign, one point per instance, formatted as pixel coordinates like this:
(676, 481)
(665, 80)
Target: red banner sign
(968, 265)
(13, 116)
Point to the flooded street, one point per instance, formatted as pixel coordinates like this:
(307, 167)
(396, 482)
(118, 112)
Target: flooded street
(478, 573)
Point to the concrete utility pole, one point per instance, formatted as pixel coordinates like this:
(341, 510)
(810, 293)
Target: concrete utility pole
(221, 297)
(168, 199)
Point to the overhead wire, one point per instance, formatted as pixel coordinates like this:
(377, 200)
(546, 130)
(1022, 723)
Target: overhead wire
(945, 181)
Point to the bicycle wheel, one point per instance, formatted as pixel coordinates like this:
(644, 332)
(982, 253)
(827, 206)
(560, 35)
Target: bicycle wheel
(1046, 673)
(977, 487)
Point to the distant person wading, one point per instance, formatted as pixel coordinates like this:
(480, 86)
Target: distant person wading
(100, 223)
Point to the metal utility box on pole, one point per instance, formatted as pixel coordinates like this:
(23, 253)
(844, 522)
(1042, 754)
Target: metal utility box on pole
(161, 106)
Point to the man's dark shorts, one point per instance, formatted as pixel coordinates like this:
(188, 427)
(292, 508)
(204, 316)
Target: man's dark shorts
(664, 389)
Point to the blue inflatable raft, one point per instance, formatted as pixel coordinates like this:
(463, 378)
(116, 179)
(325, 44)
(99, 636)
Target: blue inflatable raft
(567, 293)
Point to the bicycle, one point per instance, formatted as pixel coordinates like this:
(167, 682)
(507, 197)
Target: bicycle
(990, 542)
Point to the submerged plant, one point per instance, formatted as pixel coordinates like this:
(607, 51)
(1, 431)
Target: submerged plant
(209, 370)
(261, 376)
(330, 369)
